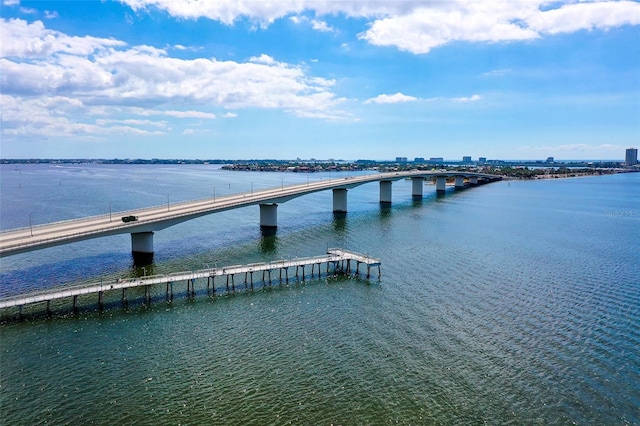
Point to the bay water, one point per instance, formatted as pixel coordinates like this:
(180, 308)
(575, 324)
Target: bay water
(516, 302)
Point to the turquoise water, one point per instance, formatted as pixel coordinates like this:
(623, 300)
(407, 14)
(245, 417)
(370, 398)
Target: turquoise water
(510, 303)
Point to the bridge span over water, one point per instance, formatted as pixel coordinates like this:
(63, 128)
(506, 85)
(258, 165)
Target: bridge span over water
(152, 219)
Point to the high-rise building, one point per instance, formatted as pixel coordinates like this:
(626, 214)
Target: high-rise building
(631, 157)
(466, 159)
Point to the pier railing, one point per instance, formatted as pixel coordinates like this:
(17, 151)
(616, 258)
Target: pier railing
(340, 259)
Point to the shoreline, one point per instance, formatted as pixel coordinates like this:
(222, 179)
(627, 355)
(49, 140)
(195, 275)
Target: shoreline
(507, 172)
(518, 171)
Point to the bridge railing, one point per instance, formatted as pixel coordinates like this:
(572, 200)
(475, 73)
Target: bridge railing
(285, 191)
(209, 205)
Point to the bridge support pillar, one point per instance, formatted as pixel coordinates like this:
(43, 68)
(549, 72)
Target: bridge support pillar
(385, 192)
(269, 216)
(416, 187)
(142, 247)
(459, 181)
(340, 200)
(473, 180)
(441, 184)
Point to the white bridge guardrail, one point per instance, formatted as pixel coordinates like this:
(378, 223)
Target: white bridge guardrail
(209, 205)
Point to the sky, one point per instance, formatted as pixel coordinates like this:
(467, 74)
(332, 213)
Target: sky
(358, 79)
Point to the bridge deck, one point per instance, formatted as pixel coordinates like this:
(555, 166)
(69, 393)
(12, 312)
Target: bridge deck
(155, 218)
(333, 256)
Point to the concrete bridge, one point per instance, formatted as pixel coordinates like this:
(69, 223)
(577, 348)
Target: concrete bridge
(152, 219)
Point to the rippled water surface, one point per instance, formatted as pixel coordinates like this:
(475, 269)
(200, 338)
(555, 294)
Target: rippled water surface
(510, 303)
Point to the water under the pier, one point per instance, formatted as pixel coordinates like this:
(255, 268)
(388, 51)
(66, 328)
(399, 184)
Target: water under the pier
(515, 302)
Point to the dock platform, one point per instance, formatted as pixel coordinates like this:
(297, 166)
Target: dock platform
(341, 260)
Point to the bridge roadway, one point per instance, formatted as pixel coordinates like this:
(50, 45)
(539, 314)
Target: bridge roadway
(159, 217)
(334, 256)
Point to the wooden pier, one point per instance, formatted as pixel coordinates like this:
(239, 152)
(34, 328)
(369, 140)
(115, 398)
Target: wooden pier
(342, 261)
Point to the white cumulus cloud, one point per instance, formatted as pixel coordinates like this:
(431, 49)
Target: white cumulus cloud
(321, 26)
(32, 40)
(586, 16)
(107, 75)
(428, 27)
(418, 26)
(472, 98)
(391, 99)
(316, 24)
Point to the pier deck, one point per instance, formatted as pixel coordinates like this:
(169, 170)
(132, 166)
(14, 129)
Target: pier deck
(333, 257)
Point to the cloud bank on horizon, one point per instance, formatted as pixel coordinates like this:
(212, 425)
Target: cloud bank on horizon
(355, 79)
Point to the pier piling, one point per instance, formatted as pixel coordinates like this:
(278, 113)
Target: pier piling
(340, 259)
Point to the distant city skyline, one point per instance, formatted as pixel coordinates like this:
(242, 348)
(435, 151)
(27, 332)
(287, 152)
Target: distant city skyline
(314, 79)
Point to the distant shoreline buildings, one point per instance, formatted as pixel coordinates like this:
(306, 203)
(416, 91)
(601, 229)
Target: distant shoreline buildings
(630, 161)
(631, 157)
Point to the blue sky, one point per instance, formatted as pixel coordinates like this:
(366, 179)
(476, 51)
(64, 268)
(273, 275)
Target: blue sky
(237, 79)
